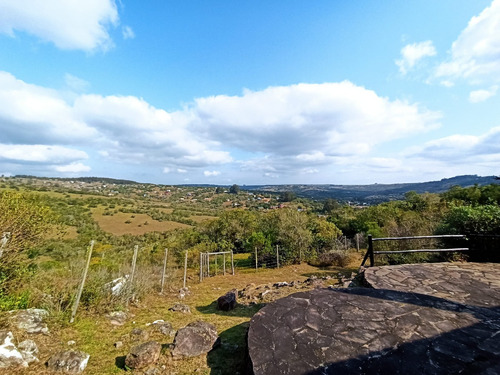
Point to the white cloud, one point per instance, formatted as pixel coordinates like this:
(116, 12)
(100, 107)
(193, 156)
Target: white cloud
(69, 24)
(76, 84)
(179, 170)
(211, 173)
(475, 55)
(166, 170)
(127, 32)
(73, 168)
(309, 122)
(482, 95)
(40, 154)
(412, 54)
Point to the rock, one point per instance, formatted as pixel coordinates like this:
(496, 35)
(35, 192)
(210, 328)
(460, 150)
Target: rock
(280, 284)
(118, 344)
(29, 351)
(71, 342)
(10, 357)
(181, 308)
(30, 320)
(116, 286)
(183, 292)
(69, 361)
(164, 328)
(138, 334)
(227, 301)
(143, 355)
(117, 318)
(195, 339)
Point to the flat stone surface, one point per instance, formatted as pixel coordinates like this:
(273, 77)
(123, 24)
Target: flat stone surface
(475, 284)
(452, 325)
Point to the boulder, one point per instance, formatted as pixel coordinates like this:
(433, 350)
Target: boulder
(117, 318)
(29, 351)
(138, 334)
(195, 339)
(69, 362)
(164, 328)
(183, 292)
(227, 301)
(30, 320)
(143, 355)
(10, 357)
(181, 308)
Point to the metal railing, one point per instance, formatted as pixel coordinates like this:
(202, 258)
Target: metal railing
(370, 253)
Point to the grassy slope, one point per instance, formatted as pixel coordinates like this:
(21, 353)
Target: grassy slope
(94, 334)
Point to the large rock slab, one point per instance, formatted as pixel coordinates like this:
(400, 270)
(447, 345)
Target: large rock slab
(68, 362)
(195, 339)
(143, 355)
(370, 331)
(475, 284)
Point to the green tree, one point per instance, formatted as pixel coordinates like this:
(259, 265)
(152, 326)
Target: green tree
(234, 189)
(287, 196)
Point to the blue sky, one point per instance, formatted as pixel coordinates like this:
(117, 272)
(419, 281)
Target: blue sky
(250, 92)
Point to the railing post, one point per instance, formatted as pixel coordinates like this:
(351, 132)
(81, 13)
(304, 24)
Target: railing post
(370, 250)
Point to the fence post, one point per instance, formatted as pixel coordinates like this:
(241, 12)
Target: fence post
(201, 267)
(357, 242)
(80, 289)
(134, 262)
(216, 267)
(185, 268)
(5, 239)
(277, 257)
(164, 270)
(208, 265)
(224, 264)
(256, 264)
(370, 250)
(232, 262)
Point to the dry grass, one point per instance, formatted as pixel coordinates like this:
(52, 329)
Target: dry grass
(136, 224)
(202, 218)
(94, 334)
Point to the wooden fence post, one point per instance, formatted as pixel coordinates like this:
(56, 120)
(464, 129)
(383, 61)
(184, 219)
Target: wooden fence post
(201, 267)
(256, 261)
(164, 270)
(224, 264)
(370, 250)
(80, 289)
(357, 242)
(232, 262)
(277, 257)
(185, 268)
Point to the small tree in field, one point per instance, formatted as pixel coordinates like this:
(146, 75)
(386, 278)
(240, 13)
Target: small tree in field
(234, 189)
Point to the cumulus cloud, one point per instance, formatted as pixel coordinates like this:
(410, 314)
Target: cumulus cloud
(477, 96)
(461, 148)
(309, 122)
(69, 24)
(40, 154)
(72, 168)
(75, 84)
(475, 55)
(211, 173)
(294, 130)
(412, 54)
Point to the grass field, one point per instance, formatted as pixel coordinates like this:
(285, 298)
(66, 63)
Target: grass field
(94, 334)
(125, 223)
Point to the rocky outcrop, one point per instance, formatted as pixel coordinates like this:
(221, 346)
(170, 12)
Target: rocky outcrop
(227, 301)
(68, 362)
(143, 355)
(195, 339)
(29, 351)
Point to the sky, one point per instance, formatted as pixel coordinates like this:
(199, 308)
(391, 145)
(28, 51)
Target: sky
(250, 92)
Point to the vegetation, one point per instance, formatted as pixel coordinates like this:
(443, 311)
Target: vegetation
(51, 223)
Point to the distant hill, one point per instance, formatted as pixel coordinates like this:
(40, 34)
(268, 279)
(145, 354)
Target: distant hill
(375, 193)
(104, 180)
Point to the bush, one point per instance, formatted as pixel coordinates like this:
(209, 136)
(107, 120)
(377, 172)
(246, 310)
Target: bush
(338, 258)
